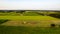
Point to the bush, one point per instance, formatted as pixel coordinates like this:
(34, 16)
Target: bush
(53, 25)
(55, 15)
(3, 20)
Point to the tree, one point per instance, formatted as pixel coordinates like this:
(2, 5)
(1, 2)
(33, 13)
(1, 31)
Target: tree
(21, 12)
(45, 13)
(2, 11)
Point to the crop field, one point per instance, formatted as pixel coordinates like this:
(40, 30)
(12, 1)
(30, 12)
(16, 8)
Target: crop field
(29, 23)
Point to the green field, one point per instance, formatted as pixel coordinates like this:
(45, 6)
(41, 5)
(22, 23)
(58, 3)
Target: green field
(28, 30)
(41, 21)
(28, 23)
(28, 17)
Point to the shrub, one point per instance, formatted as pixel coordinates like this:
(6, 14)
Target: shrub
(3, 20)
(55, 15)
(53, 25)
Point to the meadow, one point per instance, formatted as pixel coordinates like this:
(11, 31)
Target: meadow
(28, 23)
(28, 30)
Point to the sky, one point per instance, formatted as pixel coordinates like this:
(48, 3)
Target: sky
(29, 4)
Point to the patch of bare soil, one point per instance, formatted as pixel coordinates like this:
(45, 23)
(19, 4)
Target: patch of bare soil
(31, 23)
(19, 23)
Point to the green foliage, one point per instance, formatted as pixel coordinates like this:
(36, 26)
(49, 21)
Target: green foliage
(55, 15)
(3, 20)
(22, 11)
(25, 13)
(31, 14)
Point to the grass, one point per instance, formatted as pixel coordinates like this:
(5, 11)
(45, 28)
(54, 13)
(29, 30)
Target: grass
(19, 14)
(28, 30)
(46, 20)
(10, 14)
(28, 17)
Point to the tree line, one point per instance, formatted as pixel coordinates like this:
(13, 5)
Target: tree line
(55, 14)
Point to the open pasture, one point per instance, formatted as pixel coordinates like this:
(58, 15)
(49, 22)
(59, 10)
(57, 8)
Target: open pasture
(28, 23)
(39, 21)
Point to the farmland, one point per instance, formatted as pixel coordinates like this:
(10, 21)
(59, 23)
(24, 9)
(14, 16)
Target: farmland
(29, 23)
